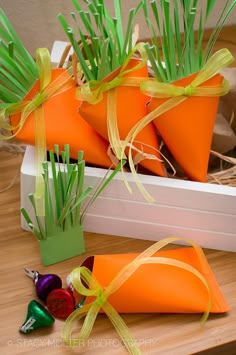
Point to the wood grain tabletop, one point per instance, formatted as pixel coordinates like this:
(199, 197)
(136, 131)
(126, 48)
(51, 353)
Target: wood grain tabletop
(155, 333)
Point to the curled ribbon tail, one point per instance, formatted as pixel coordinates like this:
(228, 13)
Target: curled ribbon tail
(219, 60)
(112, 126)
(140, 49)
(40, 144)
(43, 62)
(67, 330)
(122, 329)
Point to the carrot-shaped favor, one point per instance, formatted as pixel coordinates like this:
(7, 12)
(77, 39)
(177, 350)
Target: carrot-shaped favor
(186, 120)
(111, 99)
(155, 281)
(63, 124)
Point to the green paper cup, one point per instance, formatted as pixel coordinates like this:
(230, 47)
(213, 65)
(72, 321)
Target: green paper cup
(61, 246)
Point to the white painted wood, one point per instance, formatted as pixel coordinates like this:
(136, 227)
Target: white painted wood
(57, 50)
(200, 211)
(166, 215)
(151, 231)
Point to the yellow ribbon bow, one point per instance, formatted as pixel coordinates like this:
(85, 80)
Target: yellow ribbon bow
(47, 90)
(83, 276)
(177, 95)
(92, 92)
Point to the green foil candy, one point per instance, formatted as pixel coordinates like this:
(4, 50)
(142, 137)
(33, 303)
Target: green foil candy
(37, 317)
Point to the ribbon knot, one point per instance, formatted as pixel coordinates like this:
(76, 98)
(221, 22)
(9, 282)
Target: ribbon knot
(93, 90)
(114, 83)
(39, 99)
(189, 90)
(101, 298)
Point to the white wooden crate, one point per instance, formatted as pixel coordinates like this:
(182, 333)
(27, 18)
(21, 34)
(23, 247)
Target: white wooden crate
(203, 212)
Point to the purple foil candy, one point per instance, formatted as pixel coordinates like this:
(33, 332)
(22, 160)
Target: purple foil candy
(44, 284)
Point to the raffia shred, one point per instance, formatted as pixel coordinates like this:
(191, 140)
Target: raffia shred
(224, 176)
(12, 146)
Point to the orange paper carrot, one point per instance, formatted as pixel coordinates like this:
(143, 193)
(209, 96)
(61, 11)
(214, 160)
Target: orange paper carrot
(130, 106)
(64, 125)
(159, 288)
(187, 129)
(179, 281)
(184, 113)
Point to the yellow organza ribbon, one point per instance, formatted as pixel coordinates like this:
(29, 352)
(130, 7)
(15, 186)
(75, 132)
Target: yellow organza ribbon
(92, 92)
(177, 95)
(47, 90)
(83, 276)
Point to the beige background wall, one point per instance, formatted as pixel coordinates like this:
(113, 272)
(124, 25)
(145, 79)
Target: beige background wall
(35, 21)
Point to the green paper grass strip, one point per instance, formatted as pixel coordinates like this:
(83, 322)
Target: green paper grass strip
(181, 57)
(18, 71)
(109, 44)
(64, 198)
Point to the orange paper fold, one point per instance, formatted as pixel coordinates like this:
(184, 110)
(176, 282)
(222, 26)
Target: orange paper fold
(156, 288)
(131, 108)
(187, 129)
(64, 125)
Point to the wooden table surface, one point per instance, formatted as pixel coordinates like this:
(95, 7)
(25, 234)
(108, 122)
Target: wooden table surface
(155, 333)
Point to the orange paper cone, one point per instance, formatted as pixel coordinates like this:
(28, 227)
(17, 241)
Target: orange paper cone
(187, 129)
(64, 125)
(159, 288)
(131, 107)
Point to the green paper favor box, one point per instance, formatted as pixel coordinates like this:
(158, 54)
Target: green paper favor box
(58, 213)
(63, 245)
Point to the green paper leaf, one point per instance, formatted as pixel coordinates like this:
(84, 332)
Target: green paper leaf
(39, 223)
(18, 44)
(103, 68)
(50, 226)
(70, 34)
(11, 82)
(101, 186)
(30, 224)
(35, 231)
(89, 54)
(73, 204)
(128, 36)
(209, 7)
(18, 69)
(119, 26)
(190, 57)
(110, 43)
(11, 49)
(177, 34)
(228, 8)
(55, 187)
(7, 96)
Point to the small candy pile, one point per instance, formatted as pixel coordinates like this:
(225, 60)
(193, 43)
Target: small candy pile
(59, 302)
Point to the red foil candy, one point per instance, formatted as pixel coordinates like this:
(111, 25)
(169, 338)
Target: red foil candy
(60, 303)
